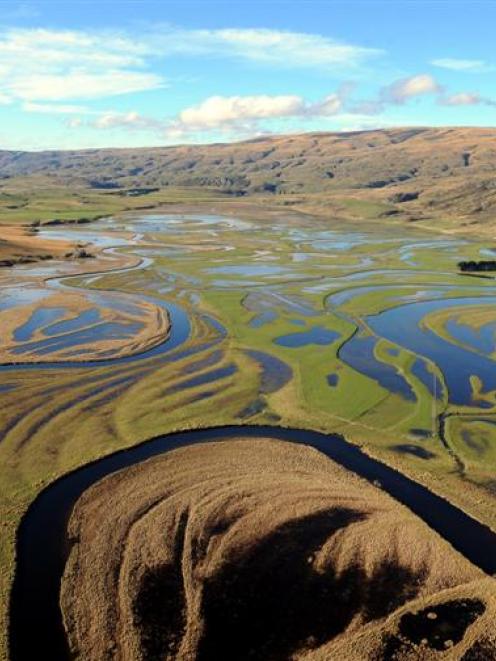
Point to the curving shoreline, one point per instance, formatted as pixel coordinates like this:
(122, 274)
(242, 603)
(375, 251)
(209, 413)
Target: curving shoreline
(34, 603)
(173, 317)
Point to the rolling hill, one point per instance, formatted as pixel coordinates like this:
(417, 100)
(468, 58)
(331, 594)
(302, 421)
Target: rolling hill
(416, 174)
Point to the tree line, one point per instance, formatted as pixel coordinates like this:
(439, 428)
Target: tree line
(485, 265)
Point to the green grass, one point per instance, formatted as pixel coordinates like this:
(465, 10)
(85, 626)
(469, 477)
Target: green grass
(36, 200)
(474, 440)
(55, 420)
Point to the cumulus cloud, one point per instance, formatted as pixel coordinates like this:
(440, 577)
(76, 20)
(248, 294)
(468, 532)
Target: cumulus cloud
(225, 114)
(220, 110)
(247, 111)
(455, 64)
(405, 89)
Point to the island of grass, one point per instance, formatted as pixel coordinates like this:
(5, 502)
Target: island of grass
(257, 548)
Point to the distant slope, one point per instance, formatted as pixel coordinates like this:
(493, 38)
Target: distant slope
(414, 172)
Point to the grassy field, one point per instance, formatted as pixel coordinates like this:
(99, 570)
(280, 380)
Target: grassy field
(39, 199)
(314, 277)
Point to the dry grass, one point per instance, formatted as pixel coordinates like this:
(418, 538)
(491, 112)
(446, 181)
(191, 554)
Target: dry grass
(260, 549)
(440, 176)
(21, 244)
(154, 327)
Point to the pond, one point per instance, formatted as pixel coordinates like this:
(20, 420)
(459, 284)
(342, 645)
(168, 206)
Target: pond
(314, 335)
(403, 326)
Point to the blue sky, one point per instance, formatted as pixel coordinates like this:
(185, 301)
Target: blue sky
(109, 73)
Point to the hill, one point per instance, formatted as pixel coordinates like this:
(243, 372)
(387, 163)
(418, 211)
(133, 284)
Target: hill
(414, 174)
(263, 550)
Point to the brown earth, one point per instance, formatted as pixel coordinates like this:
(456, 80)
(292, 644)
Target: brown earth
(264, 550)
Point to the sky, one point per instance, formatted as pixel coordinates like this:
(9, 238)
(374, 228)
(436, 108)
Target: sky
(87, 74)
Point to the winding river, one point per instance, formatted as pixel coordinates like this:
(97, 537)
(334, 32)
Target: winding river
(36, 629)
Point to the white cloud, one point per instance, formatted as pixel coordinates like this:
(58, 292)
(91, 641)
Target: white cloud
(329, 106)
(220, 110)
(247, 111)
(40, 48)
(272, 47)
(4, 99)
(461, 99)
(455, 64)
(466, 99)
(82, 85)
(48, 65)
(53, 108)
(227, 114)
(405, 89)
(40, 65)
(132, 120)
(74, 122)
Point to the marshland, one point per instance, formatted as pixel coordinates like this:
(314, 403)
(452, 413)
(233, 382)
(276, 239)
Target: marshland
(213, 316)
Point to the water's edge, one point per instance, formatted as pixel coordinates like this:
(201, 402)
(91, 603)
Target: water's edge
(42, 548)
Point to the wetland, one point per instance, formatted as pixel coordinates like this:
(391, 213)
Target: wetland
(186, 321)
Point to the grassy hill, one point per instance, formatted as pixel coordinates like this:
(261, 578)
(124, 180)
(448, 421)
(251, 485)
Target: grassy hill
(414, 174)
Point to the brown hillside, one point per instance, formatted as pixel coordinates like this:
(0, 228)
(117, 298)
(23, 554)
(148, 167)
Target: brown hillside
(416, 170)
(260, 549)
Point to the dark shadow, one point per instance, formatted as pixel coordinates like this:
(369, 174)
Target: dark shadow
(271, 602)
(415, 450)
(159, 607)
(437, 627)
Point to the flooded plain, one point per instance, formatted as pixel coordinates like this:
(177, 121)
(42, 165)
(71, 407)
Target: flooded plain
(364, 293)
(192, 321)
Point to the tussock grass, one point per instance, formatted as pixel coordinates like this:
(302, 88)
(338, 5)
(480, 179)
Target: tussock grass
(232, 548)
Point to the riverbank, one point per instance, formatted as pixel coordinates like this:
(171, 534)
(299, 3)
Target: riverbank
(41, 573)
(21, 245)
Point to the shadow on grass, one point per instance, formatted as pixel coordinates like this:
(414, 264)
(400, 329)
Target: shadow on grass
(270, 602)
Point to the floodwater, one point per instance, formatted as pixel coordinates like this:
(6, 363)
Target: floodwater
(338, 265)
(314, 335)
(403, 326)
(315, 273)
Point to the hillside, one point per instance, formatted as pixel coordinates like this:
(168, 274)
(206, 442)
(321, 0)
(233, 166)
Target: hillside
(263, 550)
(412, 173)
